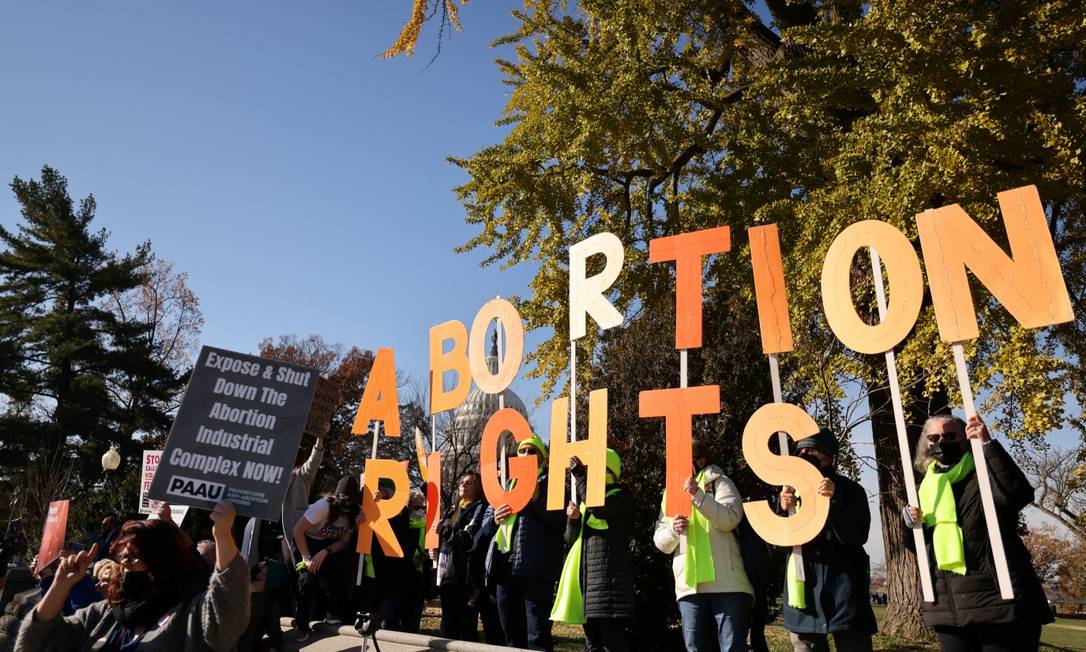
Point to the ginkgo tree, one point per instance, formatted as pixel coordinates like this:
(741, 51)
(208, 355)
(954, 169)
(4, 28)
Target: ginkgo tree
(652, 118)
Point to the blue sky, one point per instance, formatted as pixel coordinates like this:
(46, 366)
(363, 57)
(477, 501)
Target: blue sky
(266, 150)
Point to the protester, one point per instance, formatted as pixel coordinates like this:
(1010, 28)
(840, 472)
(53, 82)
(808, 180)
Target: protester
(393, 575)
(163, 601)
(265, 609)
(322, 536)
(109, 533)
(832, 597)
(459, 594)
(711, 585)
(525, 559)
(83, 593)
(969, 614)
(103, 572)
(422, 575)
(596, 587)
(299, 484)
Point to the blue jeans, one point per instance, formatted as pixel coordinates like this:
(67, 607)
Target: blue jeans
(524, 607)
(712, 619)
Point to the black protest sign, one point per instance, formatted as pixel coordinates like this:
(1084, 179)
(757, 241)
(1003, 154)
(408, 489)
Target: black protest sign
(236, 433)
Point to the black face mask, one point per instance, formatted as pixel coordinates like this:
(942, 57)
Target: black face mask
(824, 470)
(947, 453)
(136, 585)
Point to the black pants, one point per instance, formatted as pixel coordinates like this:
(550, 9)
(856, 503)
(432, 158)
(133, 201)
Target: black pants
(331, 578)
(1005, 637)
(758, 614)
(524, 605)
(487, 606)
(263, 619)
(606, 635)
(458, 616)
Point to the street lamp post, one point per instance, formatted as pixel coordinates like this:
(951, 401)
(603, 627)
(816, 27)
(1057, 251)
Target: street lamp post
(111, 459)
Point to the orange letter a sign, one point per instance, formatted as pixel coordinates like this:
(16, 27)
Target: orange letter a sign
(379, 402)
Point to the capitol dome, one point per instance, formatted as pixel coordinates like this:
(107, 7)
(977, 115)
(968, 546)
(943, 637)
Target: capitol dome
(465, 430)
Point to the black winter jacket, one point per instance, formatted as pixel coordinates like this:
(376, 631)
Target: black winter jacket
(974, 598)
(838, 572)
(457, 531)
(394, 574)
(606, 574)
(536, 549)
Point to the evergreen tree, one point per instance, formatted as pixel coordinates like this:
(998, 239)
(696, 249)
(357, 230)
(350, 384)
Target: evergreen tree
(75, 377)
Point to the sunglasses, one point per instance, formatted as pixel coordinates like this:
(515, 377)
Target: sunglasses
(528, 450)
(943, 437)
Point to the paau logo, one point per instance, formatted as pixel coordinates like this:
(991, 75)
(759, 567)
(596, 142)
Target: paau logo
(182, 486)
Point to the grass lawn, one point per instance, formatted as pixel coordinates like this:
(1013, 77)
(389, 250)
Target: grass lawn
(1064, 635)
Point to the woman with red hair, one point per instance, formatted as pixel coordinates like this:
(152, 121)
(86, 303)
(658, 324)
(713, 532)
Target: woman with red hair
(163, 599)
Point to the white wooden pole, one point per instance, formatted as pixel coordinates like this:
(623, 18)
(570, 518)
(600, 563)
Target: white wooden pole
(503, 463)
(782, 439)
(373, 456)
(1003, 574)
(573, 409)
(903, 438)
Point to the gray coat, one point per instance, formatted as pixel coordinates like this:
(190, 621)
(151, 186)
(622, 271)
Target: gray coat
(296, 498)
(211, 621)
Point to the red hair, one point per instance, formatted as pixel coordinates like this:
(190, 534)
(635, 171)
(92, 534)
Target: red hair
(168, 552)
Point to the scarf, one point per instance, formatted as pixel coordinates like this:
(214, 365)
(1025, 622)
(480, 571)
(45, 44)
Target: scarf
(504, 538)
(795, 587)
(698, 565)
(569, 598)
(941, 512)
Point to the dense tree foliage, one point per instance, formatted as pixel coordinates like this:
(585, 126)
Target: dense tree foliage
(653, 118)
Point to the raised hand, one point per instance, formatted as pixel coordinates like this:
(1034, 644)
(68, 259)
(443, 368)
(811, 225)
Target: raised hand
(788, 498)
(975, 429)
(573, 511)
(222, 517)
(690, 486)
(826, 487)
(74, 567)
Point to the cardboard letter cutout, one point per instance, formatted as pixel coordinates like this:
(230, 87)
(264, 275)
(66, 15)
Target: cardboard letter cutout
(678, 406)
(1028, 283)
(377, 513)
(433, 500)
(455, 360)
(586, 295)
(507, 314)
(379, 401)
(770, 293)
(592, 450)
(687, 250)
(524, 470)
(773, 469)
(905, 282)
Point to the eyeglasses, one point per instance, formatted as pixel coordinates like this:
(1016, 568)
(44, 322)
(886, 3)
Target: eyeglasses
(528, 450)
(128, 560)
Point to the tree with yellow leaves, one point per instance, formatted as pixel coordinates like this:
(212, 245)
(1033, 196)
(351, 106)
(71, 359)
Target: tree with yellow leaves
(422, 12)
(648, 118)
